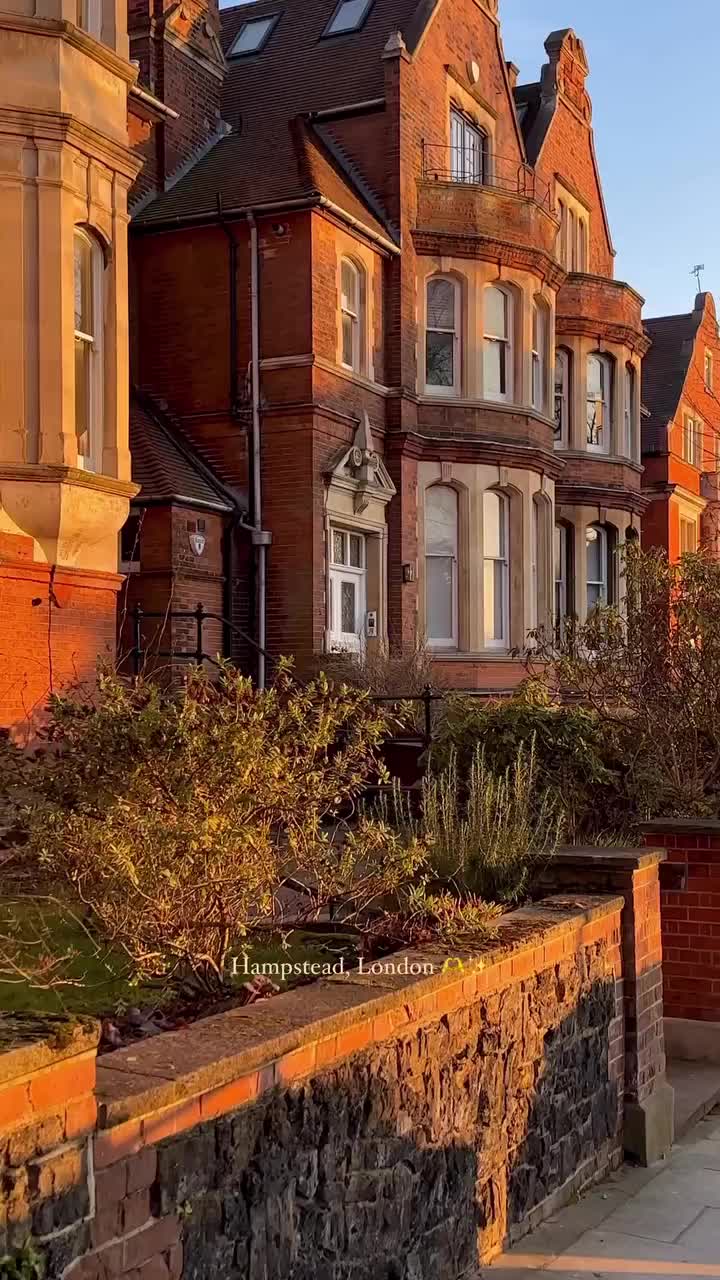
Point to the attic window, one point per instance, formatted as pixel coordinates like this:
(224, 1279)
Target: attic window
(253, 35)
(349, 16)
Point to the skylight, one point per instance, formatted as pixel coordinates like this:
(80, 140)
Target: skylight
(349, 15)
(252, 35)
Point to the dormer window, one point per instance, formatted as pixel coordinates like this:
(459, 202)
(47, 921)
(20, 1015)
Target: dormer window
(349, 16)
(253, 35)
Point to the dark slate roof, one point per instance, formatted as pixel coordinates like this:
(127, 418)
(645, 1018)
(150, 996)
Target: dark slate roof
(664, 371)
(273, 153)
(534, 118)
(167, 467)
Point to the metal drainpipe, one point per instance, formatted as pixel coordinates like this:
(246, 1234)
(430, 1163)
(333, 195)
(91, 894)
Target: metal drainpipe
(261, 538)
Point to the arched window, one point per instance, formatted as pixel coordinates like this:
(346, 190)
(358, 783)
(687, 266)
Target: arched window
(596, 542)
(497, 344)
(539, 356)
(629, 431)
(352, 309)
(441, 548)
(495, 570)
(562, 397)
(442, 336)
(599, 400)
(89, 380)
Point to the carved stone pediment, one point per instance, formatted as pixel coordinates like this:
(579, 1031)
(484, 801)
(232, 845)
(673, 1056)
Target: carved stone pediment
(361, 471)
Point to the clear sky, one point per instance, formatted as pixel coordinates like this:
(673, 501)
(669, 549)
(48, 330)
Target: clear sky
(654, 85)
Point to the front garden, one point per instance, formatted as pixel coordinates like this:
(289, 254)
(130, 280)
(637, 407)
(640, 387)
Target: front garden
(157, 835)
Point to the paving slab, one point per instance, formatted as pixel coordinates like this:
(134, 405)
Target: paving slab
(646, 1224)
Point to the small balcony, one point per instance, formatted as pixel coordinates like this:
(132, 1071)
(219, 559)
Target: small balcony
(497, 207)
(594, 305)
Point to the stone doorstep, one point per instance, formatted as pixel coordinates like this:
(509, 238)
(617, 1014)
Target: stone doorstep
(272, 1040)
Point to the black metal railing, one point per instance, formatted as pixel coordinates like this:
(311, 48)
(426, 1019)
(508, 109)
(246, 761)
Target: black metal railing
(469, 167)
(142, 650)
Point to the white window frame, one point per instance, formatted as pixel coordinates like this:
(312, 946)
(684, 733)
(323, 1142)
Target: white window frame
(597, 582)
(535, 557)
(504, 343)
(709, 370)
(341, 571)
(561, 584)
(604, 400)
(562, 420)
(692, 441)
(498, 642)
(451, 641)
(89, 17)
(94, 343)
(432, 388)
(357, 317)
(541, 330)
(629, 397)
(468, 150)
(686, 522)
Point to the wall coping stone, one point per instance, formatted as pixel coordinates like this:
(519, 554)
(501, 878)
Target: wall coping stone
(707, 826)
(630, 859)
(36, 1041)
(215, 1051)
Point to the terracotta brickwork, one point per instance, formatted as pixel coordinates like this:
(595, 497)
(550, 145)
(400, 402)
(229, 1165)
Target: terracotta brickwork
(679, 385)
(690, 918)
(382, 163)
(55, 623)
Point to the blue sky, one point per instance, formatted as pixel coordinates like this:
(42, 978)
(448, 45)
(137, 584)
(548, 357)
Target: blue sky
(653, 78)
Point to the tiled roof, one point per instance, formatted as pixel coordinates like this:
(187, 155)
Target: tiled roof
(167, 467)
(664, 371)
(273, 154)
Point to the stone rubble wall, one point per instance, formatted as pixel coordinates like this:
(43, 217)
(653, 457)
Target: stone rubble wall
(401, 1125)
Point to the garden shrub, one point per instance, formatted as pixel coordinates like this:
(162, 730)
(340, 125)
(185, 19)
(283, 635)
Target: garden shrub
(578, 760)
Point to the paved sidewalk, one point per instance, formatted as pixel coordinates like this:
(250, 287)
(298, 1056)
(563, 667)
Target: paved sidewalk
(648, 1224)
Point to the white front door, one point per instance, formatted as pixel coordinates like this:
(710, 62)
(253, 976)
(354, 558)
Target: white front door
(347, 590)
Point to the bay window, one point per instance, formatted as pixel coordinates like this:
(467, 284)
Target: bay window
(497, 344)
(539, 356)
(561, 557)
(441, 550)
(629, 432)
(596, 543)
(89, 381)
(495, 570)
(562, 398)
(599, 394)
(442, 336)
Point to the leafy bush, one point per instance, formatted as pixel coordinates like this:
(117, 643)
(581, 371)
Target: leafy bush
(651, 675)
(176, 815)
(578, 760)
(486, 831)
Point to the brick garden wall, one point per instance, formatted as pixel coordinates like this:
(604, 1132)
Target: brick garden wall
(690, 914)
(344, 1126)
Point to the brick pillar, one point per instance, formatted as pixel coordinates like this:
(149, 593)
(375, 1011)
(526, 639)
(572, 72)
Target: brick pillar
(634, 873)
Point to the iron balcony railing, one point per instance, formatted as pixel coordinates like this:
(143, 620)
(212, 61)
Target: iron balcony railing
(472, 167)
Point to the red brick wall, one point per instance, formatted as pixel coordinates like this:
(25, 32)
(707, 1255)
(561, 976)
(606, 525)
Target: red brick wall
(54, 625)
(173, 579)
(691, 920)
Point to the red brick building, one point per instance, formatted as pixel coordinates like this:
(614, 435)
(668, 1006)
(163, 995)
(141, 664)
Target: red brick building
(681, 434)
(354, 257)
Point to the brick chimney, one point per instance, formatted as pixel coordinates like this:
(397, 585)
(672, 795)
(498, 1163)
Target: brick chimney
(177, 46)
(565, 73)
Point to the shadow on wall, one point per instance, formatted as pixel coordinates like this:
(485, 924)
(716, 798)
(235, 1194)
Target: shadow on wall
(412, 1160)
